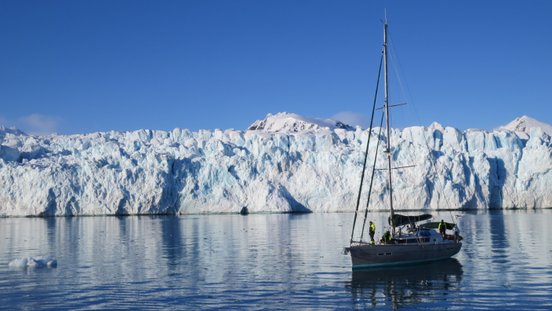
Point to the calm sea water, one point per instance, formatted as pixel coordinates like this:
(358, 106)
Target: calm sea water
(266, 261)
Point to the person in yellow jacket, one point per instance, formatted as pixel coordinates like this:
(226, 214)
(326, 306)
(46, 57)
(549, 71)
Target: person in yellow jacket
(372, 231)
(443, 228)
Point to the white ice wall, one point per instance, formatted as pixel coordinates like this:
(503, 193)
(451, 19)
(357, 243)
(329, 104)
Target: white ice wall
(153, 172)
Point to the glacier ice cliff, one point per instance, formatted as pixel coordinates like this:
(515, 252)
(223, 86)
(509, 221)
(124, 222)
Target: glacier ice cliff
(312, 168)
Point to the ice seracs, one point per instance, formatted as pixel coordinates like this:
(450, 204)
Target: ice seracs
(180, 171)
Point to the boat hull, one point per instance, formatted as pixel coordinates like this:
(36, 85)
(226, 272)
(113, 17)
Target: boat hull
(370, 256)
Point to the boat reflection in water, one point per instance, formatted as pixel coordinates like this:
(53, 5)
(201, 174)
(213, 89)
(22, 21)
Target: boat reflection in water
(402, 286)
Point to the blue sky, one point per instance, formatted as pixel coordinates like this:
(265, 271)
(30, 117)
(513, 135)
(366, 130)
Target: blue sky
(85, 66)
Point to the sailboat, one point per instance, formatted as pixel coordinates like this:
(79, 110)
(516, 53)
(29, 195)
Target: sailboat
(410, 240)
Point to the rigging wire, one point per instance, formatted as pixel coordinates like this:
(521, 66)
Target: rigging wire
(366, 152)
(372, 178)
(397, 70)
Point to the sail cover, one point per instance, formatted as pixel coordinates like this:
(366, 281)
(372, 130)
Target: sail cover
(401, 220)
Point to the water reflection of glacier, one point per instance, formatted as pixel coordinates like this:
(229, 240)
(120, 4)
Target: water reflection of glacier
(275, 261)
(403, 286)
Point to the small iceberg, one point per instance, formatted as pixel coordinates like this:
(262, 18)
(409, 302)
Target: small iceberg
(33, 262)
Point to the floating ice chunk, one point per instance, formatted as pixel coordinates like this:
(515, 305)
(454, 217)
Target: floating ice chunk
(33, 262)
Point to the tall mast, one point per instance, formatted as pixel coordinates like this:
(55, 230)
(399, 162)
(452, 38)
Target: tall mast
(386, 101)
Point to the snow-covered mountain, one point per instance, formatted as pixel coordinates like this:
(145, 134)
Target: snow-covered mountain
(286, 122)
(9, 130)
(294, 165)
(523, 124)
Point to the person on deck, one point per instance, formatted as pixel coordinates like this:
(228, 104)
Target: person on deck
(386, 237)
(372, 231)
(443, 229)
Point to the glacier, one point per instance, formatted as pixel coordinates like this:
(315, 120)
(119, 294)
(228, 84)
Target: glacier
(284, 163)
